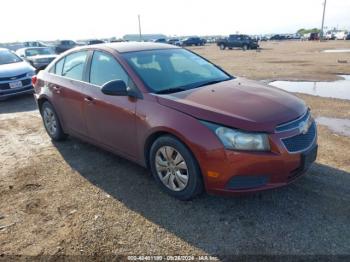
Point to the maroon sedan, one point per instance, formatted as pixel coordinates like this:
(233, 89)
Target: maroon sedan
(194, 125)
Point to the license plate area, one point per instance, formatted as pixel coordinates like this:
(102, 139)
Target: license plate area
(15, 84)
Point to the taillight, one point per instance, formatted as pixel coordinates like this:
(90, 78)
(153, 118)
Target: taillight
(34, 80)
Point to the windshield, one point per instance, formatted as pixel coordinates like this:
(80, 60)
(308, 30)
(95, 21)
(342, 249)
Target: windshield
(7, 57)
(39, 51)
(173, 69)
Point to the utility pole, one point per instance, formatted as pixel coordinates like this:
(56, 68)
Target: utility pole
(324, 12)
(140, 35)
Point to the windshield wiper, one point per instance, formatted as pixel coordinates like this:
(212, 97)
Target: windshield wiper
(212, 82)
(171, 90)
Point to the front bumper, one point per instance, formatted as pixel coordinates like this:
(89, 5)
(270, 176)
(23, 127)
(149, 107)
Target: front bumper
(4, 94)
(242, 172)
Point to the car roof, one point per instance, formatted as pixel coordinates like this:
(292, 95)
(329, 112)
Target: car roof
(123, 47)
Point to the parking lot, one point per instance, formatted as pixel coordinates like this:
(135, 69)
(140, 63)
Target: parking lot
(73, 198)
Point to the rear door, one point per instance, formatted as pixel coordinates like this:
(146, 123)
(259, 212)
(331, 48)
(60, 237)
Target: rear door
(110, 119)
(66, 88)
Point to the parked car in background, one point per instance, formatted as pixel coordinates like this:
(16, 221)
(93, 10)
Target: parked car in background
(329, 35)
(192, 41)
(35, 44)
(65, 45)
(94, 42)
(238, 41)
(194, 125)
(278, 37)
(314, 36)
(340, 35)
(160, 40)
(38, 57)
(211, 40)
(348, 37)
(174, 41)
(15, 75)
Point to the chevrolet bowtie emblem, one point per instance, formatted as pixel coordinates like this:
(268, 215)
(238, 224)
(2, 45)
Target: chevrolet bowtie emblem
(304, 126)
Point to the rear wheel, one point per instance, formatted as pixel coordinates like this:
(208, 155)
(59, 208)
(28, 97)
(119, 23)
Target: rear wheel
(51, 122)
(245, 47)
(175, 169)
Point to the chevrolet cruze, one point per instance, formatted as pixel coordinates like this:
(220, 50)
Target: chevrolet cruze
(195, 126)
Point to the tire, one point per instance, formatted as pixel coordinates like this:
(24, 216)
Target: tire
(222, 47)
(187, 167)
(245, 47)
(51, 122)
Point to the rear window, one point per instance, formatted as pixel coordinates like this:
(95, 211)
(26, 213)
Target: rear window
(38, 51)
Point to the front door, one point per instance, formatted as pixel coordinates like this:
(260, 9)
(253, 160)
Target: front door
(110, 119)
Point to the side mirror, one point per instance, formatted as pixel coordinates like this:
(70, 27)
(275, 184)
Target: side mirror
(115, 88)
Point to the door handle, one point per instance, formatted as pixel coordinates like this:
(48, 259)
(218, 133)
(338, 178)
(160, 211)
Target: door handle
(57, 89)
(88, 99)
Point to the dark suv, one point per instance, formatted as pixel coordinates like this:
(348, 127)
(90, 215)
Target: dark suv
(190, 41)
(64, 45)
(238, 41)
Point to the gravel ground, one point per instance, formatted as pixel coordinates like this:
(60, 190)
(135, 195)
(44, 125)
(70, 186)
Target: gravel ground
(72, 198)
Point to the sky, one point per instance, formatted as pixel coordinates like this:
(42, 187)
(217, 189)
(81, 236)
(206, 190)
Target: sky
(22, 20)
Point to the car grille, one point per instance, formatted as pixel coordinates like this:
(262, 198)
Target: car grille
(293, 124)
(6, 86)
(12, 77)
(301, 142)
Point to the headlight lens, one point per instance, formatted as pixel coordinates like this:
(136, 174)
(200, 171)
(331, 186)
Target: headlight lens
(30, 74)
(237, 140)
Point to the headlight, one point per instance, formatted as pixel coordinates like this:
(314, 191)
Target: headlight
(238, 140)
(30, 74)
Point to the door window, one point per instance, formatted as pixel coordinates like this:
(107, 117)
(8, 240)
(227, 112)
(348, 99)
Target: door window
(74, 65)
(105, 68)
(57, 69)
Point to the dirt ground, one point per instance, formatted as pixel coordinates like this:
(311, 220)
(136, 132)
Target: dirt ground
(294, 60)
(72, 198)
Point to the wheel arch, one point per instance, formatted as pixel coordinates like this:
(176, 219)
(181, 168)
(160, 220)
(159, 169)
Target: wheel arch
(163, 132)
(41, 100)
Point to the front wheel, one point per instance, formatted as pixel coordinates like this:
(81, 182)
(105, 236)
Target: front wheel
(222, 47)
(51, 122)
(245, 47)
(175, 169)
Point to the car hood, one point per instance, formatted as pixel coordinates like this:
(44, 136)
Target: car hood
(238, 103)
(15, 69)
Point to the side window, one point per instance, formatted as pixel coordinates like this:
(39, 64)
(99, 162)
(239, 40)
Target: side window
(74, 65)
(105, 68)
(57, 68)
